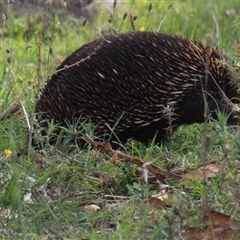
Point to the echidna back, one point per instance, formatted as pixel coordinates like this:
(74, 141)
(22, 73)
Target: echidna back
(138, 84)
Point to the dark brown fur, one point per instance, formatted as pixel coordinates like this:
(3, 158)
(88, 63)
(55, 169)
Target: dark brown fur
(128, 81)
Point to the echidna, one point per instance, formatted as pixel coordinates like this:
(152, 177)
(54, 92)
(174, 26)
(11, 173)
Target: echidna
(128, 82)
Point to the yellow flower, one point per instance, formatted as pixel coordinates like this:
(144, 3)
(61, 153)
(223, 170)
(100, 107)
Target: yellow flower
(142, 29)
(8, 153)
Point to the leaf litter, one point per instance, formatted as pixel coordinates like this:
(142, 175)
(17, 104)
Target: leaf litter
(216, 225)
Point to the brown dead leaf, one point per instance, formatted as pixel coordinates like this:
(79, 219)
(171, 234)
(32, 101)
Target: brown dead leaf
(220, 220)
(203, 173)
(196, 233)
(154, 202)
(200, 173)
(219, 227)
(225, 233)
(157, 201)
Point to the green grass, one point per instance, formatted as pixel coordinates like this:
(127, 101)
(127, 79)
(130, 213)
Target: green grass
(43, 195)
